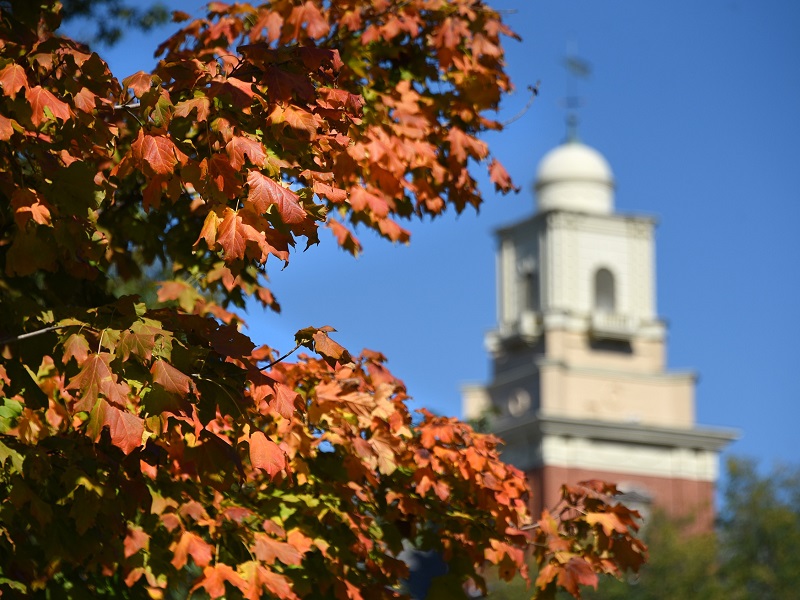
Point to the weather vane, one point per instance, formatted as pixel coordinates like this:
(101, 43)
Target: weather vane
(576, 68)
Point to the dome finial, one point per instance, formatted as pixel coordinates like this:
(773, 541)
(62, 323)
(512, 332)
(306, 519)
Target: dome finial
(576, 68)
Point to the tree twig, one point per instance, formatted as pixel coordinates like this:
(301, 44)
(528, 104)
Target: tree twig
(277, 360)
(534, 90)
(22, 336)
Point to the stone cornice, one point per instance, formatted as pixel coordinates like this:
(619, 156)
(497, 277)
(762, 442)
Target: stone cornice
(539, 216)
(703, 438)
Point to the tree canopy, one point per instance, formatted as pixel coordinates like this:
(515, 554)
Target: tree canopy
(148, 446)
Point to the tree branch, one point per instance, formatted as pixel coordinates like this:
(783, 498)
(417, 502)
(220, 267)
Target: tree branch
(277, 360)
(16, 338)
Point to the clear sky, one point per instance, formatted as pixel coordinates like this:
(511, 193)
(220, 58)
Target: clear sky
(696, 106)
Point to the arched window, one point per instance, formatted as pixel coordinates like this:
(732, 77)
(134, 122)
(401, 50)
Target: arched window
(604, 293)
(530, 291)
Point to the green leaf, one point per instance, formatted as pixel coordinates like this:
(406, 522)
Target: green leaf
(16, 457)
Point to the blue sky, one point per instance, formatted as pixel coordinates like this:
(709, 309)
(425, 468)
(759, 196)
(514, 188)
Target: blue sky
(696, 106)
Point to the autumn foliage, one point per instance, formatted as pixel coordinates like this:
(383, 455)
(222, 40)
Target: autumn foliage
(152, 448)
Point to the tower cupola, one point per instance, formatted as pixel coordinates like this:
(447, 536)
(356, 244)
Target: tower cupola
(575, 177)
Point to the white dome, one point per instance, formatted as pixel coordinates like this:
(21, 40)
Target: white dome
(575, 177)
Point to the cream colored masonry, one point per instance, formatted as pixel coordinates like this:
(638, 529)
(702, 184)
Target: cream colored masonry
(601, 455)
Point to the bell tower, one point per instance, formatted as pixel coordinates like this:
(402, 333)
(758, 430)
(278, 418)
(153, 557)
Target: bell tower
(579, 385)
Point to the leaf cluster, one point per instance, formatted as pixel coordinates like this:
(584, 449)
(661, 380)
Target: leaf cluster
(148, 447)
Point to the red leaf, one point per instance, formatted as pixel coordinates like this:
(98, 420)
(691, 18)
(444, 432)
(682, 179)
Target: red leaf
(94, 378)
(13, 79)
(265, 192)
(170, 378)
(126, 429)
(266, 454)
(241, 146)
(39, 99)
(313, 58)
(283, 85)
(157, 154)
(224, 176)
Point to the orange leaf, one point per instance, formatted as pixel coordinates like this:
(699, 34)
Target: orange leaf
(201, 105)
(29, 206)
(260, 577)
(39, 99)
(94, 378)
(266, 454)
(325, 346)
(265, 192)
(139, 82)
(232, 235)
(214, 578)
(241, 146)
(283, 400)
(170, 378)
(139, 340)
(85, 100)
(310, 16)
(298, 119)
(135, 540)
(361, 199)
(13, 79)
(269, 550)
(191, 545)
(334, 194)
(575, 573)
(6, 128)
(76, 347)
(610, 522)
(209, 230)
(499, 176)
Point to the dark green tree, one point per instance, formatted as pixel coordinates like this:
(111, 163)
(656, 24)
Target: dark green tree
(760, 532)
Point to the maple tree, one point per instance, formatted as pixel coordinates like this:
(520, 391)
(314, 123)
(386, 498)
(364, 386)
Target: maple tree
(145, 447)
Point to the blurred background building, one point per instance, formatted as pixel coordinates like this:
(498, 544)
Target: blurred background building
(579, 387)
